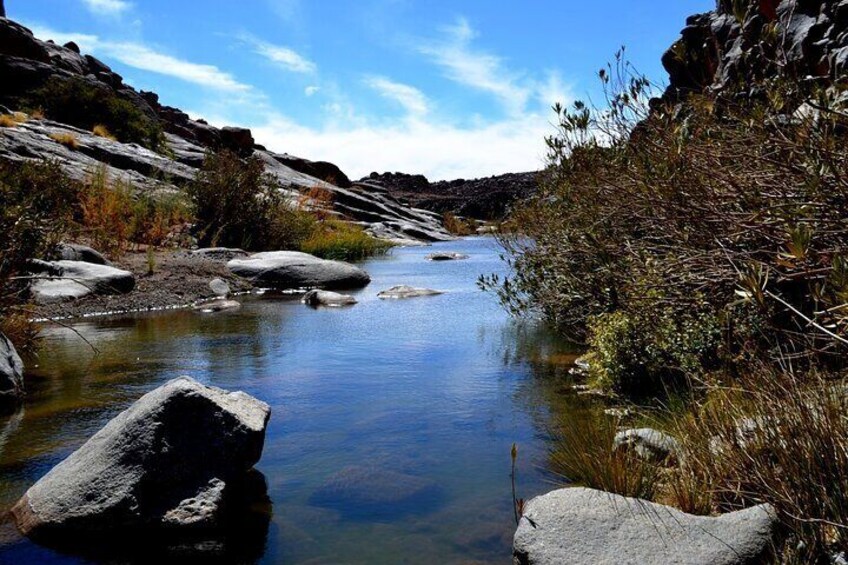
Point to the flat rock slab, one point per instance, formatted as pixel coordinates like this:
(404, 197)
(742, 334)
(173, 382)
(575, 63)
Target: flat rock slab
(316, 298)
(71, 280)
(293, 269)
(219, 253)
(374, 492)
(584, 526)
(159, 465)
(404, 291)
(447, 257)
(214, 306)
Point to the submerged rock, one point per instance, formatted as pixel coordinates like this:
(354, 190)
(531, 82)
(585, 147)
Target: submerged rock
(69, 280)
(327, 298)
(219, 305)
(11, 373)
(157, 466)
(447, 257)
(293, 269)
(648, 443)
(585, 526)
(404, 291)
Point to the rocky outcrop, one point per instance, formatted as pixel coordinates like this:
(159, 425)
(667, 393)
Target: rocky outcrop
(292, 269)
(316, 298)
(584, 526)
(405, 291)
(69, 280)
(11, 373)
(741, 43)
(28, 64)
(164, 464)
(484, 199)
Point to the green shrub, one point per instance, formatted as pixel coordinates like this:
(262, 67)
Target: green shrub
(85, 105)
(334, 239)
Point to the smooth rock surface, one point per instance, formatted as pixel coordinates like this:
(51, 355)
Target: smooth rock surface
(219, 305)
(316, 298)
(84, 253)
(220, 287)
(11, 372)
(69, 280)
(156, 465)
(404, 291)
(583, 526)
(292, 269)
(220, 253)
(446, 257)
(648, 443)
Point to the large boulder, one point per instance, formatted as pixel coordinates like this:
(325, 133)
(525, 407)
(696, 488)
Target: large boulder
(292, 269)
(164, 464)
(69, 280)
(11, 372)
(585, 526)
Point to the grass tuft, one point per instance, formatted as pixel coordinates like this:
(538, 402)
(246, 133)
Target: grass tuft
(69, 140)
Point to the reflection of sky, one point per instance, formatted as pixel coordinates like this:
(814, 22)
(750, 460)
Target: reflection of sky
(416, 386)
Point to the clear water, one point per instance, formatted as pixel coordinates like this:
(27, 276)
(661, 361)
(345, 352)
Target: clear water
(434, 388)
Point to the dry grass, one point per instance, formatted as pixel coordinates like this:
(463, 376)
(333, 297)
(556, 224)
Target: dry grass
(102, 131)
(69, 140)
(13, 120)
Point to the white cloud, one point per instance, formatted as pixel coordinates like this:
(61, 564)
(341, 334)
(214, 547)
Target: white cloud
(281, 56)
(145, 58)
(311, 90)
(107, 7)
(476, 69)
(412, 99)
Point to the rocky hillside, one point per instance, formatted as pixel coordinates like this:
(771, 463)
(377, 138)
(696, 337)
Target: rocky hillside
(65, 93)
(743, 42)
(483, 199)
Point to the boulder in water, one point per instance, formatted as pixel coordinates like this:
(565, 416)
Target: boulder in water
(404, 291)
(293, 269)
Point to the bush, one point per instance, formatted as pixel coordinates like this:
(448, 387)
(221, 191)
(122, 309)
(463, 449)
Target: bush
(69, 140)
(102, 131)
(456, 225)
(85, 105)
(334, 239)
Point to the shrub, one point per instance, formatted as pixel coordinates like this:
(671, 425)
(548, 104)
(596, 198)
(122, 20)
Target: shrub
(82, 104)
(69, 140)
(102, 131)
(456, 225)
(12, 120)
(335, 239)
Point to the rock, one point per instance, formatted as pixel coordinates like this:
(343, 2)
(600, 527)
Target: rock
(292, 269)
(404, 291)
(649, 444)
(11, 373)
(77, 279)
(2, 10)
(159, 465)
(220, 253)
(584, 526)
(322, 170)
(317, 298)
(239, 140)
(220, 287)
(375, 492)
(446, 257)
(214, 306)
(84, 253)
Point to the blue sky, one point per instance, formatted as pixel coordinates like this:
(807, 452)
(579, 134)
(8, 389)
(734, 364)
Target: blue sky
(448, 89)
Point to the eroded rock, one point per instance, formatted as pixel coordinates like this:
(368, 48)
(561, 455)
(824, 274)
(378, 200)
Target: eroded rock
(70, 280)
(11, 373)
(292, 269)
(405, 291)
(317, 298)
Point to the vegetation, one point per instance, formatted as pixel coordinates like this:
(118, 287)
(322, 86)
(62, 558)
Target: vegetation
(12, 120)
(102, 131)
(456, 225)
(69, 140)
(335, 239)
(82, 104)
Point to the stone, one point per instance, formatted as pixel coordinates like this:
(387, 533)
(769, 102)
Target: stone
(446, 257)
(649, 444)
(317, 298)
(220, 287)
(84, 253)
(404, 291)
(72, 280)
(11, 372)
(220, 253)
(583, 526)
(214, 306)
(162, 464)
(236, 139)
(293, 269)
(375, 492)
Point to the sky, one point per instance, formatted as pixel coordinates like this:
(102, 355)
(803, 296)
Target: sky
(448, 89)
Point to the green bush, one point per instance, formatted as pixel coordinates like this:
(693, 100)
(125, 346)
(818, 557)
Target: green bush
(82, 104)
(334, 239)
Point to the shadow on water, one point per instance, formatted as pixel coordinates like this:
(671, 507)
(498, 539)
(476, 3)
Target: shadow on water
(240, 536)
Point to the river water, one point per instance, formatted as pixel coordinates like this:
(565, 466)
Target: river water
(408, 408)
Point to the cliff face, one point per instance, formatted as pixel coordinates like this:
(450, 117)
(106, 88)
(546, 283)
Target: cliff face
(742, 42)
(28, 66)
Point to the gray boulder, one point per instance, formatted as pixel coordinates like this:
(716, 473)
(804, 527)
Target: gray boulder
(649, 444)
(317, 298)
(220, 287)
(219, 305)
(292, 269)
(69, 280)
(84, 253)
(446, 257)
(585, 526)
(404, 291)
(11, 372)
(164, 463)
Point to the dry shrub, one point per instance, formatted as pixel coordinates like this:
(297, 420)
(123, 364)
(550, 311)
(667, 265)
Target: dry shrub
(69, 140)
(317, 200)
(102, 131)
(456, 225)
(13, 120)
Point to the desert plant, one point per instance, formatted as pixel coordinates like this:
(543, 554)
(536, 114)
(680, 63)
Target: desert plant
(69, 140)
(102, 131)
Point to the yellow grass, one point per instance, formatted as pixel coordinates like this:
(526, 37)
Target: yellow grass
(69, 140)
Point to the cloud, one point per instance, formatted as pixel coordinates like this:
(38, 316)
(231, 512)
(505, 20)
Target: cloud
(311, 90)
(107, 7)
(281, 56)
(477, 69)
(145, 58)
(412, 99)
